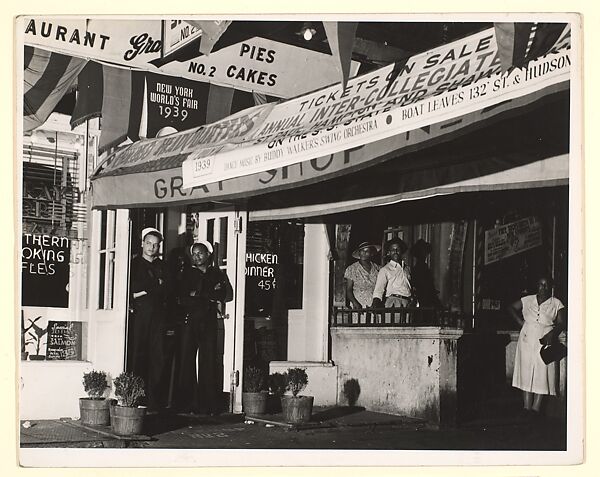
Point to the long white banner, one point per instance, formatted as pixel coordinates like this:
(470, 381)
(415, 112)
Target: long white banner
(257, 64)
(271, 149)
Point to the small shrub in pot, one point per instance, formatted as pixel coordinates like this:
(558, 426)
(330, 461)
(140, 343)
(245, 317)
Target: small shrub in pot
(254, 397)
(95, 409)
(297, 408)
(127, 418)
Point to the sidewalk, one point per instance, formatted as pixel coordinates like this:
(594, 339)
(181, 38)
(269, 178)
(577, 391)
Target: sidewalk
(331, 428)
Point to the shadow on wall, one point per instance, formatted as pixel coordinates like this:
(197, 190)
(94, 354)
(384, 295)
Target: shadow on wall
(351, 391)
(481, 377)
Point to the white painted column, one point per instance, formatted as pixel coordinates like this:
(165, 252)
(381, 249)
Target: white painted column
(315, 298)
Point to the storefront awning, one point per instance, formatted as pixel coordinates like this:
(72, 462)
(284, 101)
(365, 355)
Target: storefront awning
(334, 131)
(160, 183)
(550, 172)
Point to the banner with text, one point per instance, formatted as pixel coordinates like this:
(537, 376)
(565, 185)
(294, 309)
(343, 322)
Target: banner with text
(161, 182)
(206, 165)
(355, 106)
(257, 64)
(510, 239)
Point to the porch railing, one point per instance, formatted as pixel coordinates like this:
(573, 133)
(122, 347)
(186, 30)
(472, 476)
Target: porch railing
(406, 316)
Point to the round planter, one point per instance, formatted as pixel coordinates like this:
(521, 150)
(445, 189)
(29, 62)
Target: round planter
(254, 403)
(127, 421)
(94, 411)
(297, 409)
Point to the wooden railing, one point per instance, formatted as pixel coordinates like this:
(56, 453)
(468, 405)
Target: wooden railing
(408, 316)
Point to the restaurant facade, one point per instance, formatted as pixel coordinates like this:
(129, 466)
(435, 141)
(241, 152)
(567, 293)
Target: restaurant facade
(480, 166)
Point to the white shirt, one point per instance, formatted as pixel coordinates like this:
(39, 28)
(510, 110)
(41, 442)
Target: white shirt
(392, 279)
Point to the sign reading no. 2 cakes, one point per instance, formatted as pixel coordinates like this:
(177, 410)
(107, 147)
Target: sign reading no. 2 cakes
(64, 340)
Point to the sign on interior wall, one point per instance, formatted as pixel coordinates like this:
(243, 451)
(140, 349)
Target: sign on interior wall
(45, 270)
(510, 239)
(64, 340)
(261, 281)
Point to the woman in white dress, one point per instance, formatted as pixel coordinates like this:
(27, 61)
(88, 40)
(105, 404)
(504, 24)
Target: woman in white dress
(542, 317)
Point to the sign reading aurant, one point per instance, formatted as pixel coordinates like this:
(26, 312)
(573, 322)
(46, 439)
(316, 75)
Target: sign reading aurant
(256, 64)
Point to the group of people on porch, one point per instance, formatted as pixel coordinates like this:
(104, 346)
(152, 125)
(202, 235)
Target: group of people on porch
(394, 284)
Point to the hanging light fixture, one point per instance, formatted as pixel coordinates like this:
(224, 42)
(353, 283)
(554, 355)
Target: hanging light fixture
(307, 31)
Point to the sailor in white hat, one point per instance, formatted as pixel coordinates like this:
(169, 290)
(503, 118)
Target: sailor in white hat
(205, 289)
(148, 304)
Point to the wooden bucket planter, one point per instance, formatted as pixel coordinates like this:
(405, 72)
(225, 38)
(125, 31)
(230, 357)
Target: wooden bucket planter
(127, 421)
(254, 403)
(95, 411)
(297, 409)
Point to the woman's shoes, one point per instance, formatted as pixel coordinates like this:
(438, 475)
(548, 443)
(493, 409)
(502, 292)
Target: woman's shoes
(531, 416)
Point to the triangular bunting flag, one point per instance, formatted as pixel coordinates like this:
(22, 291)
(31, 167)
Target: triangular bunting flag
(211, 32)
(219, 103)
(340, 36)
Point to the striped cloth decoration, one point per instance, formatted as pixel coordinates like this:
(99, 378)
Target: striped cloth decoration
(47, 78)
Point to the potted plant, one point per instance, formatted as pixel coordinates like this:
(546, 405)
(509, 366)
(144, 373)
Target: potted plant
(296, 409)
(277, 387)
(95, 409)
(254, 398)
(126, 417)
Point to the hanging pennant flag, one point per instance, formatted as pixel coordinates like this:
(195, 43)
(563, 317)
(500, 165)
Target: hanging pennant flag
(211, 32)
(545, 38)
(520, 43)
(104, 92)
(47, 77)
(172, 102)
(219, 103)
(90, 94)
(340, 36)
(512, 39)
(259, 98)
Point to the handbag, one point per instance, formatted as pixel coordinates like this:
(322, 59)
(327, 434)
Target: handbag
(553, 352)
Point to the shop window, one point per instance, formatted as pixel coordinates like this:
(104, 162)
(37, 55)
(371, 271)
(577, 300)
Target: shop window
(53, 220)
(274, 261)
(106, 253)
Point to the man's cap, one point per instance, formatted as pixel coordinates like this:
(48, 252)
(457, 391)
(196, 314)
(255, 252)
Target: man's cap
(206, 243)
(356, 255)
(153, 231)
(397, 240)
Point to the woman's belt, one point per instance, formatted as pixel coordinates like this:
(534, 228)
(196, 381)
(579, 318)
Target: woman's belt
(399, 296)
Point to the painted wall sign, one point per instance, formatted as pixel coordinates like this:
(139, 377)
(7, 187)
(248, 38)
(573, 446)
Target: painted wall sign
(64, 340)
(510, 239)
(45, 270)
(257, 64)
